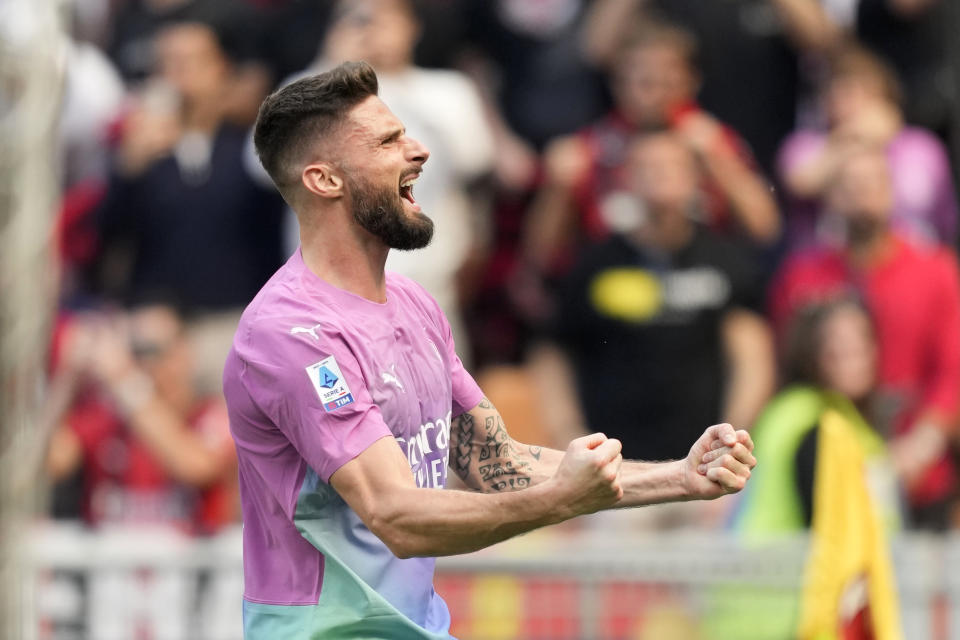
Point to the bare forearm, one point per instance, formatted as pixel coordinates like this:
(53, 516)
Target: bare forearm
(484, 455)
(643, 482)
(181, 451)
(749, 350)
(549, 228)
(652, 483)
(488, 460)
(603, 28)
(411, 521)
(428, 522)
(749, 194)
(808, 25)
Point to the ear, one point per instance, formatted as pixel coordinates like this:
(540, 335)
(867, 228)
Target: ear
(322, 179)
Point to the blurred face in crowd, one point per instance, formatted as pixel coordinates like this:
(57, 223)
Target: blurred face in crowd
(847, 357)
(380, 162)
(849, 96)
(650, 80)
(382, 32)
(862, 195)
(191, 61)
(663, 173)
(160, 347)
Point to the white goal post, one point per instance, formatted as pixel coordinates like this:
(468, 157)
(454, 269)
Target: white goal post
(32, 43)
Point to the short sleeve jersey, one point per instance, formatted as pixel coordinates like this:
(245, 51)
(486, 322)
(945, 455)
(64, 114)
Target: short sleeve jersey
(315, 376)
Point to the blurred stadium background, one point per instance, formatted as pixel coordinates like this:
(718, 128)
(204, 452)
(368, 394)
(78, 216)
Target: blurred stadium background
(135, 223)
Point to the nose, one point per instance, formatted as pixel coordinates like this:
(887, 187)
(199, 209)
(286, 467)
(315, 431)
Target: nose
(416, 151)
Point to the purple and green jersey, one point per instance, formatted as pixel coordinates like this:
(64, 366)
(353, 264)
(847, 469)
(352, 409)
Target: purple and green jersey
(315, 376)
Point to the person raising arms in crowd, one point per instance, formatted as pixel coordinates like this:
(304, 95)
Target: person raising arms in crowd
(654, 82)
(124, 410)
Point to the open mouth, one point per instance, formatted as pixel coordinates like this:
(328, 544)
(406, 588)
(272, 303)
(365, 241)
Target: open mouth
(406, 188)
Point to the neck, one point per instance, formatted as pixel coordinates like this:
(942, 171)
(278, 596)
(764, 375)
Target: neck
(868, 251)
(666, 230)
(202, 116)
(341, 253)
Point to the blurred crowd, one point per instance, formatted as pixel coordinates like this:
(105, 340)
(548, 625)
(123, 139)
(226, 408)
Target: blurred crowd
(652, 216)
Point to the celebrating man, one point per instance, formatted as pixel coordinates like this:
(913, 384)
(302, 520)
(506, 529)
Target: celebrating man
(347, 400)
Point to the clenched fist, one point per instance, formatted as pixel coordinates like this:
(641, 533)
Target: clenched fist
(719, 462)
(588, 477)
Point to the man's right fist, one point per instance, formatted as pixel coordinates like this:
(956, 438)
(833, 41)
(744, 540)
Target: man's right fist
(588, 477)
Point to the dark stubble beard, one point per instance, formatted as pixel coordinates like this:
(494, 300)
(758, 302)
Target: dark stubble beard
(863, 230)
(379, 211)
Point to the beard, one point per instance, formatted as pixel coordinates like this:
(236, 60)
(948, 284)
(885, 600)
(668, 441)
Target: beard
(862, 229)
(380, 212)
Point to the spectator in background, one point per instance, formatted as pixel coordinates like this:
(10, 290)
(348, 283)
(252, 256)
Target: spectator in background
(181, 214)
(750, 54)
(124, 412)
(442, 109)
(654, 83)
(913, 293)
(861, 101)
(657, 322)
(825, 469)
(239, 28)
(830, 366)
(133, 28)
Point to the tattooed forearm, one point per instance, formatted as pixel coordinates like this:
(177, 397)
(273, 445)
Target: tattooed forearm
(461, 445)
(486, 457)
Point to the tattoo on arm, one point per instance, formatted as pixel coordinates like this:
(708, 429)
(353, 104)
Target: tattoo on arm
(485, 457)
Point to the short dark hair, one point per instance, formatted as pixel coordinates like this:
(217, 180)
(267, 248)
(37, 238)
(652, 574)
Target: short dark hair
(299, 113)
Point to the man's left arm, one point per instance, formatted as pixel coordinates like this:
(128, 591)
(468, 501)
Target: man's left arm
(487, 459)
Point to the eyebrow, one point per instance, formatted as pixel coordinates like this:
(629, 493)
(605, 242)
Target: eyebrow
(393, 135)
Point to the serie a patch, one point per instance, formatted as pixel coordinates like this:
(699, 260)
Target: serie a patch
(330, 384)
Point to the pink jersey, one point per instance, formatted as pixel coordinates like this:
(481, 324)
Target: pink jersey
(315, 376)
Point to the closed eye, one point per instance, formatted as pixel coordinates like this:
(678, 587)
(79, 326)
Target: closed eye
(392, 137)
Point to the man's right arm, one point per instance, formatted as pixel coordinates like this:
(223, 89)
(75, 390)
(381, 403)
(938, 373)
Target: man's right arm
(378, 486)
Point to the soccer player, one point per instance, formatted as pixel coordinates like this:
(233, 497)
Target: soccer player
(347, 401)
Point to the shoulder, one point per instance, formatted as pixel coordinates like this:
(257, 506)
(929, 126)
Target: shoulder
(812, 260)
(913, 137)
(409, 291)
(789, 414)
(928, 255)
(415, 300)
(918, 150)
(799, 145)
(284, 321)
